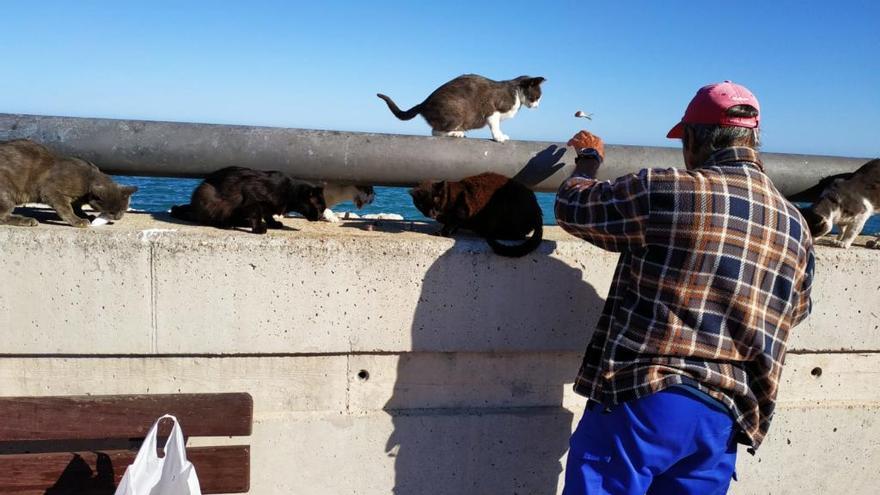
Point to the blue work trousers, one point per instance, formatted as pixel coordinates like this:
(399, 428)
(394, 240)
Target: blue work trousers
(667, 443)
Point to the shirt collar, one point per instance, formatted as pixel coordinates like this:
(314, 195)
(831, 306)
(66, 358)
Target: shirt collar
(734, 155)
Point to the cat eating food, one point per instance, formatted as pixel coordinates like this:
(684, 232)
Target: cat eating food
(491, 205)
(30, 172)
(337, 193)
(848, 202)
(238, 196)
(472, 101)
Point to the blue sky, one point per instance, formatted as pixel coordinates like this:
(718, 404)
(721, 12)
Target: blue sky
(815, 66)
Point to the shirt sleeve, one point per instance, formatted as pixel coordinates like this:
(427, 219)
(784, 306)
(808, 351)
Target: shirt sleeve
(611, 215)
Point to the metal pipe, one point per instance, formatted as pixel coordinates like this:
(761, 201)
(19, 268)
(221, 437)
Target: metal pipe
(174, 149)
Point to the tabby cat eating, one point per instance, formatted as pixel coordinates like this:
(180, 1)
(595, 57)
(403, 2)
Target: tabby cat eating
(848, 202)
(337, 193)
(30, 172)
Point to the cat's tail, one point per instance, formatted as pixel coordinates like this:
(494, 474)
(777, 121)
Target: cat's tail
(182, 212)
(518, 250)
(400, 114)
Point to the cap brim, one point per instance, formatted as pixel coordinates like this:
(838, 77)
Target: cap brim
(676, 132)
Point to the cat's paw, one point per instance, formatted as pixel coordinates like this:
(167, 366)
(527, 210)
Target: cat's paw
(29, 222)
(501, 138)
(840, 244)
(330, 216)
(81, 223)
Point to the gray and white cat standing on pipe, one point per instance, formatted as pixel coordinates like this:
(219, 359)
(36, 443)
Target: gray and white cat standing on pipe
(470, 102)
(849, 203)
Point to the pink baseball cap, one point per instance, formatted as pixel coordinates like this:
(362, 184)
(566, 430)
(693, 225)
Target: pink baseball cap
(710, 105)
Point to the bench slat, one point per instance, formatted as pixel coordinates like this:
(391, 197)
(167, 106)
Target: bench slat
(220, 469)
(122, 416)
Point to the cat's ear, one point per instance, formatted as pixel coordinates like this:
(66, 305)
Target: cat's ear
(128, 190)
(535, 81)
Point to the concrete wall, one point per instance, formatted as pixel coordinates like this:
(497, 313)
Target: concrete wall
(392, 358)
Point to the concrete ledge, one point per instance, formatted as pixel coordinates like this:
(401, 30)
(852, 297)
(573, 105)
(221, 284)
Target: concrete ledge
(390, 357)
(151, 287)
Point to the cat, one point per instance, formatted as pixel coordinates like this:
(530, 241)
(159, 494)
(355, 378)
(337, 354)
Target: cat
(472, 101)
(337, 193)
(814, 193)
(848, 202)
(491, 205)
(238, 196)
(30, 172)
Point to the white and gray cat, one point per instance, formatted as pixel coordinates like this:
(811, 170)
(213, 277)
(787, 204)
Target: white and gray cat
(848, 202)
(337, 193)
(471, 102)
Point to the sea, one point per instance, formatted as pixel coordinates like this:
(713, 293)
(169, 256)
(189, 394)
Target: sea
(158, 194)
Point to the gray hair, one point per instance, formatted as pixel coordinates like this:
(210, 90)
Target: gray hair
(709, 138)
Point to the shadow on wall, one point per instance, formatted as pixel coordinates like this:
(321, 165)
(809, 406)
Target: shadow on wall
(472, 413)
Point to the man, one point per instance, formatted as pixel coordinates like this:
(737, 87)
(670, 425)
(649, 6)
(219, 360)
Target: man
(715, 269)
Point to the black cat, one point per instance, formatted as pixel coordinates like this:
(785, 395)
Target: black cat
(491, 205)
(236, 196)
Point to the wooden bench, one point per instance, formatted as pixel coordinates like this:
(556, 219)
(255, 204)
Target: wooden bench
(82, 444)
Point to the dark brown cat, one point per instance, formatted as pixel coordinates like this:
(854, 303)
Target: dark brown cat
(489, 204)
(470, 102)
(236, 196)
(29, 172)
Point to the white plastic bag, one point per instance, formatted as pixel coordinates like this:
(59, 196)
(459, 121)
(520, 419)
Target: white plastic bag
(150, 474)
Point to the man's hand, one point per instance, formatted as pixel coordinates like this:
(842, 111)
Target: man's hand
(584, 140)
(590, 153)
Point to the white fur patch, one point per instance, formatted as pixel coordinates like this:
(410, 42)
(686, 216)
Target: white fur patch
(495, 119)
(456, 134)
(101, 220)
(330, 216)
(494, 122)
(517, 103)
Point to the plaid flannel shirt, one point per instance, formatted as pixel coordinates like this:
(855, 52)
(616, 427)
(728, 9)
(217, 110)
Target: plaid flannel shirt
(716, 267)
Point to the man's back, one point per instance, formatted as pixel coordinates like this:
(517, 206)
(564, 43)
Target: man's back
(715, 269)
